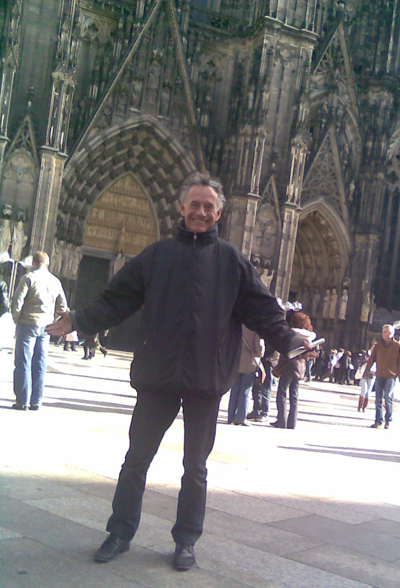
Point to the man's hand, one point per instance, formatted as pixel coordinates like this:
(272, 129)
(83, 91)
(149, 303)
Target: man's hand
(61, 326)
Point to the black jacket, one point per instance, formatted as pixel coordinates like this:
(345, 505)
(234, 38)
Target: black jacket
(196, 290)
(4, 300)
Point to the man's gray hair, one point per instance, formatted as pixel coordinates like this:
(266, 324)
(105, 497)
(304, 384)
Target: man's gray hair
(199, 179)
(391, 328)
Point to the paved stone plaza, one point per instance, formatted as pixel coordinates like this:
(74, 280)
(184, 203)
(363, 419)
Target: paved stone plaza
(315, 507)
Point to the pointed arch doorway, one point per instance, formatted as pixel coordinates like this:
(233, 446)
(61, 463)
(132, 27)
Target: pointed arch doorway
(321, 266)
(119, 226)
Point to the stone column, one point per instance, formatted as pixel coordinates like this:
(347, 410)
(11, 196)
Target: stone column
(362, 278)
(47, 199)
(290, 216)
(290, 222)
(241, 215)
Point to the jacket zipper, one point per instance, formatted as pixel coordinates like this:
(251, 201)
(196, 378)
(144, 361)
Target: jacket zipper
(186, 315)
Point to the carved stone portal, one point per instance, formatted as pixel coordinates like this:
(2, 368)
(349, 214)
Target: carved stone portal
(122, 205)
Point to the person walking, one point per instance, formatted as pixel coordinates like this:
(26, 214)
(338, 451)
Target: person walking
(386, 355)
(70, 341)
(38, 297)
(196, 291)
(366, 384)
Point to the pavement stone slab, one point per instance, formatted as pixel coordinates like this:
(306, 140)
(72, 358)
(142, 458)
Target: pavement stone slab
(353, 537)
(260, 569)
(260, 536)
(302, 508)
(372, 571)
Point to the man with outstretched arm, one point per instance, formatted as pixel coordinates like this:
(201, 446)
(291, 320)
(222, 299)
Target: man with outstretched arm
(196, 291)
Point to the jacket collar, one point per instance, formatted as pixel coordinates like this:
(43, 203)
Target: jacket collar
(202, 238)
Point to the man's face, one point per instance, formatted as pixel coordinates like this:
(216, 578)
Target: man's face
(201, 209)
(386, 334)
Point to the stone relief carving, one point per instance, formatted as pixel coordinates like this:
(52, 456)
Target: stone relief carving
(5, 235)
(18, 241)
(315, 303)
(56, 257)
(326, 304)
(332, 304)
(344, 299)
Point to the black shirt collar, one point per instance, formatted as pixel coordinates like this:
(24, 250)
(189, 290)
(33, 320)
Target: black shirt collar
(203, 238)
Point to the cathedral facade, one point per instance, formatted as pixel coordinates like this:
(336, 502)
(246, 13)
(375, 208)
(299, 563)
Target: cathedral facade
(106, 106)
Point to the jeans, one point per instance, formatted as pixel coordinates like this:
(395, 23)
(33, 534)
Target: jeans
(239, 398)
(287, 382)
(262, 393)
(153, 415)
(31, 351)
(366, 385)
(384, 388)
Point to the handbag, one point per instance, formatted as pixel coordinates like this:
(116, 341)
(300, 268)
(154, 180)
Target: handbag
(278, 369)
(260, 373)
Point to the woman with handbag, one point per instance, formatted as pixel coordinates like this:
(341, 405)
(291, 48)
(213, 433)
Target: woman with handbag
(290, 372)
(250, 362)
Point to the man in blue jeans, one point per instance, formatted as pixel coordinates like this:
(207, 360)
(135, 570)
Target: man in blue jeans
(386, 355)
(36, 300)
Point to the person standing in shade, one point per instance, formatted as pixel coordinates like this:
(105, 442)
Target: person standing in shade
(292, 371)
(262, 391)
(38, 297)
(386, 355)
(196, 290)
(250, 357)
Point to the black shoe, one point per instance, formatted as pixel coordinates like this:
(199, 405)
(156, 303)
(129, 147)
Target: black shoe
(184, 557)
(34, 407)
(277, 425)
(376, 426)
(111, 548)
(252, 416)
(19, 407)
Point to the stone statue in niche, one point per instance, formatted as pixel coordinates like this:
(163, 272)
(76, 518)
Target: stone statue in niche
(325, 304)
(5, 235)
(267, 277)
(344, 299)
(316, 300)
(18, 241)
(68, 256)
(118, 262)
(365, 308)
(76, 260)
(332, 304)
(56, 257)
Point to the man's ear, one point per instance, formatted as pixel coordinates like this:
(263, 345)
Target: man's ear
(182, 208)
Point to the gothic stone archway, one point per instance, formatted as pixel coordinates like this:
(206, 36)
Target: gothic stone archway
(321, 262)
(144, 148)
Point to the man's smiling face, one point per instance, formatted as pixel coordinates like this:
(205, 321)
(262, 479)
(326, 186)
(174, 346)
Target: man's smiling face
(201, 209)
